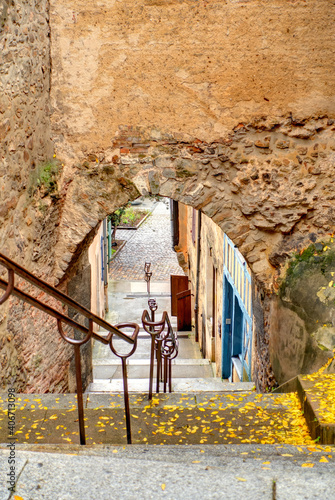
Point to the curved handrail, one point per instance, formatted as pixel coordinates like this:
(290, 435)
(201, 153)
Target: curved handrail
(10, 286)
(62, 297)
(133, 337)
(153, 327)
(11, 289)
(75, 341)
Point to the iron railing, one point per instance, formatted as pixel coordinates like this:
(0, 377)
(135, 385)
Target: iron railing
(10, 289)
(164, 342)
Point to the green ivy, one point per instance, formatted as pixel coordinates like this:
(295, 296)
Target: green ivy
(320, 255)
(45, 177)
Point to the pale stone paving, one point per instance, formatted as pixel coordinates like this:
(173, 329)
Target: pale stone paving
(151, 242)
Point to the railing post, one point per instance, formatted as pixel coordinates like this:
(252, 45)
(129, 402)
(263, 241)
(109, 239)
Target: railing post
(126, 398)
(159, 363)
(124, 371)
(148, 275)
(79, 395)
(153, 307)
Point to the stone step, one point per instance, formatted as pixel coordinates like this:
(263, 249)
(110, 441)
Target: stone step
(180, 385)
(236, 395)
(145, 362)
(137, 371)
(197, 418)
(258, 472)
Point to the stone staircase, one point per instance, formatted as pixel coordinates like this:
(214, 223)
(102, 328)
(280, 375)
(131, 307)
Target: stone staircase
(232, 417)
(190, 372)
(259, 472)
(215, 445)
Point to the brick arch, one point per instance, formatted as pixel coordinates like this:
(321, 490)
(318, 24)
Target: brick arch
(270, 188)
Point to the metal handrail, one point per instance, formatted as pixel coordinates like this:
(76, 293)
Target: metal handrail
(154, 329)
(123, 358)
(11, 289)
(62, 297)
(165, 342)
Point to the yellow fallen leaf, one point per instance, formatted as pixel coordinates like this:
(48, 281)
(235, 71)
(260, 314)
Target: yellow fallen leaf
(198, 461)
(307, 465)
(241, 479)
(163, 486)
(323, 460)
(266, 463)
(53, 417)
(16, 497)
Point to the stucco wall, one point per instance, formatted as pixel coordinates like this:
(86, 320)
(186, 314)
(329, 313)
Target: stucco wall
(211, 255)
(97, 285)
(185, 67)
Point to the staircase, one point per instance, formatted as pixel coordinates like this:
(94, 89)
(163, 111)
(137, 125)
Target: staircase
(190, 372)
(235, 417)
(241, 441)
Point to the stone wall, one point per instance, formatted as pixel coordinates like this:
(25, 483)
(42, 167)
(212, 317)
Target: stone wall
(32, 354)
(269, 187)
(302, 329)
(224, 106)
(186, 68)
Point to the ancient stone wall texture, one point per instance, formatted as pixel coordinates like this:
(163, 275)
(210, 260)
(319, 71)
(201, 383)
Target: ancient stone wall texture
(195, 68)
(226, 106)
(32, 355)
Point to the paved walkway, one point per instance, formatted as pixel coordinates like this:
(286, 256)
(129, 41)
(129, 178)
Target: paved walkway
(258, 472)
(151, 242)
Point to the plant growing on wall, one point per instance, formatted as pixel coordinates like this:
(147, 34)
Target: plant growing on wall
(115, 219)
(44, 178)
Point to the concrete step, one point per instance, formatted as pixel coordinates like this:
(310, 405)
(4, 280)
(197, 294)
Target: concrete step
(168, 419)
(137, 371)
(180, 385)
(259, 472)
(145, 362)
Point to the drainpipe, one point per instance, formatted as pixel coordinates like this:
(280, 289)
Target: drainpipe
(174, 217)
(104, 228)
(196, 305)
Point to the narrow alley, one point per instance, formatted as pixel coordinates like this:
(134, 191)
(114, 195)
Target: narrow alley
(128, 298)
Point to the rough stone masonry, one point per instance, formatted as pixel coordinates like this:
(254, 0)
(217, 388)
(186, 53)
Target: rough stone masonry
(226, 106)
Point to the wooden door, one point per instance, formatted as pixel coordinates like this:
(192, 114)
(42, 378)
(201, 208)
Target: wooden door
(178, 284)
(184, 316)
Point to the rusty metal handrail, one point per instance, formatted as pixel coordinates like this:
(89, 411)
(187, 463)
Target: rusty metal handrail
(154, 329)
(164, 341)
(10, 289)
(62, 297)
(123, 358)
(170, 350)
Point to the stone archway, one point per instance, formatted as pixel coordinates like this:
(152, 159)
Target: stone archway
(244, 132)
(270, 189)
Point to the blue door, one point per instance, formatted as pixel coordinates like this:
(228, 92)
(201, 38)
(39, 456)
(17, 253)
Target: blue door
(237, 315)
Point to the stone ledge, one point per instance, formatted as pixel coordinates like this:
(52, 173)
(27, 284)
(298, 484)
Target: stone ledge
(321, 431)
